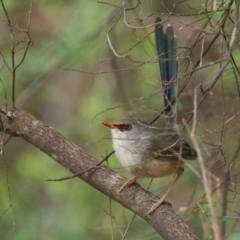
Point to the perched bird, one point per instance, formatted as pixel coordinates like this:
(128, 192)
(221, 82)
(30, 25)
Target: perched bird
(147, 151)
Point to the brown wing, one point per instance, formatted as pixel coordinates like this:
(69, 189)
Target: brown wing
(173, 146)
(188, 152)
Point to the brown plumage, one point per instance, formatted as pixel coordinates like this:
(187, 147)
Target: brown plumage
(147, 151)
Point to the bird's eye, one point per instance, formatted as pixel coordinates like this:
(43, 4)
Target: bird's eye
(127, 127)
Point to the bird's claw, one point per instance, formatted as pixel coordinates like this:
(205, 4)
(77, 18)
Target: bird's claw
(157, 204)
(129, 182)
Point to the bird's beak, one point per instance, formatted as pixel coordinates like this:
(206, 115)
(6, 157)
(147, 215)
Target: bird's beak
(108, 124)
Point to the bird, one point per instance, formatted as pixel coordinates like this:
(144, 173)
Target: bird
(146, 151)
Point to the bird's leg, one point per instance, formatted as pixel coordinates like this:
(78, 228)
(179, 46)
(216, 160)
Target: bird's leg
(162, 199)
(128, 183)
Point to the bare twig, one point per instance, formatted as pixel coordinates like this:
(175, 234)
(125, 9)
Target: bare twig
(205, 175)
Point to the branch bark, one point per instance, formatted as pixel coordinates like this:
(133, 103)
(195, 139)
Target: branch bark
(164, 220)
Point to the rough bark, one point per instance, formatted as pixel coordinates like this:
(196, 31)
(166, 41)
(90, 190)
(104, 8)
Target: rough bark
(164, 220)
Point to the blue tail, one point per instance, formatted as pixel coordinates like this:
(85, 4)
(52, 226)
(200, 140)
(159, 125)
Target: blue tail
(166, 44)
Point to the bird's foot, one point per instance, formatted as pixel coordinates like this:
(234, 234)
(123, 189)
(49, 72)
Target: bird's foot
(162, 199)
(157, 204)
(128, 183)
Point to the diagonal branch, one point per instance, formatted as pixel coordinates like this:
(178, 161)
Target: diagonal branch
(164, 220)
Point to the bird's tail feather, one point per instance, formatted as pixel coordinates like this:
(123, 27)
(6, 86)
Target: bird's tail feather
(166, 44)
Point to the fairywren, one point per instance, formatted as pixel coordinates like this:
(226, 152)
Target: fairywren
(147, 151)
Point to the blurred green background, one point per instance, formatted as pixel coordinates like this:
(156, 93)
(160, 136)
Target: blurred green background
(73, 35)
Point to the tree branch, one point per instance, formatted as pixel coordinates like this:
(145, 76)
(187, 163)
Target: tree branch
(164, 220)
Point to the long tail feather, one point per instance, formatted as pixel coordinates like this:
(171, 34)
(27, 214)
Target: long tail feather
(166, 44)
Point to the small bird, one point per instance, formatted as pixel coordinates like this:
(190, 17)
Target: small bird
(147, 151)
